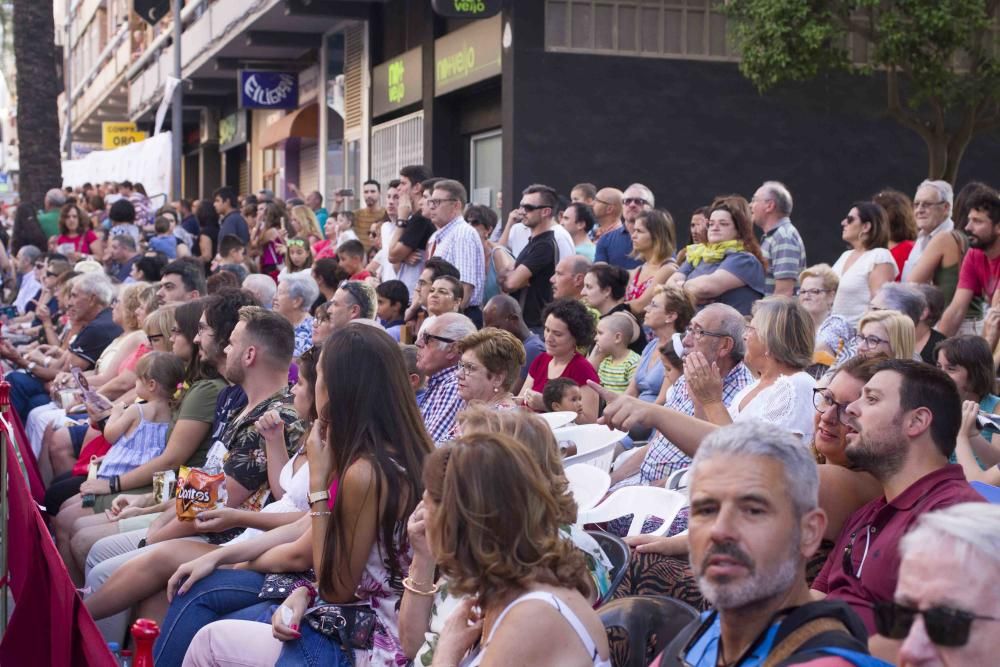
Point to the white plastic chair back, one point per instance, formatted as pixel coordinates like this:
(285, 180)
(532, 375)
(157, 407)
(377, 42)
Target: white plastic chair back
(558, 419)
(588, 484)
(595, 444)
(680, 480)
(625, 456)
(642, 502)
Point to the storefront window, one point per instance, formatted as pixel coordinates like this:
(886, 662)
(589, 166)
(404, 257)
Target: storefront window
(335, 113)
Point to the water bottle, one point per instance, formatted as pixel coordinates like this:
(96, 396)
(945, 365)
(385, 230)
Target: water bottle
(126, 660)
(144, 634)
(115, 649)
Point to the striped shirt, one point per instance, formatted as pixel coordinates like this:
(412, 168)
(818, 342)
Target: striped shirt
(785, 253)
(458, 243)
(616, 375)
(440, 403)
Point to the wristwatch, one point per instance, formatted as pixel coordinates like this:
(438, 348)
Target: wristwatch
(318, 496)
(31, 366)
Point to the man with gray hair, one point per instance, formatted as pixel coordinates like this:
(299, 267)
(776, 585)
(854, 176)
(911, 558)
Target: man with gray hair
(29, 284)
(48, 218)
(781, 245)
(262, 287)
(89, 307)
(716, 332)
(948, 577)
(755, 523)
(932, 210)
(437, 358)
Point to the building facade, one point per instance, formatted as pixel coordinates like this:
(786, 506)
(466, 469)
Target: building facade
(552, 91)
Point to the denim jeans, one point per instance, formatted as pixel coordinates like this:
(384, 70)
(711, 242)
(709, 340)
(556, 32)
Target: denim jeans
(228, 594)
(26, 393)
(314, 649)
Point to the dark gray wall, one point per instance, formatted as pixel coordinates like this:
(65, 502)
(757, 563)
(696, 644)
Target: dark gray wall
(691, 130)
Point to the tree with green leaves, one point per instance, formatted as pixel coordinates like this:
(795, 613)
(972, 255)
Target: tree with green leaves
(940, 59)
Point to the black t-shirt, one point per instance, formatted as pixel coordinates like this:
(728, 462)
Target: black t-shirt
(417, 232)
(90, 343)
(927, 354)
(540, 256)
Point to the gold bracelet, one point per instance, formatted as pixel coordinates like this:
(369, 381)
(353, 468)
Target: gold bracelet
(324, 513)
(411, 586)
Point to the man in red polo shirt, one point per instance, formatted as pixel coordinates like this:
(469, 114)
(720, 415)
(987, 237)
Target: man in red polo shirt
(907, 420)
(980, 270)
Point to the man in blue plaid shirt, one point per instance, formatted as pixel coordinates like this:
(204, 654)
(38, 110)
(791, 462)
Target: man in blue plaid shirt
(782, 245)
(717, 332)
(437, 358)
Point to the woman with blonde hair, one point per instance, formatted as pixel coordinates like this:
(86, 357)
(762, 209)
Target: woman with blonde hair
(493, 525)
(654, 242)
(305, 224)
(886, 332)
(817, 289)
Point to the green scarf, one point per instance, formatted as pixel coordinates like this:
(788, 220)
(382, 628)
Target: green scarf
(713, 253)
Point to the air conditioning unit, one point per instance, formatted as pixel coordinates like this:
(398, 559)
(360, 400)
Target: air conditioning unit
(209, 126)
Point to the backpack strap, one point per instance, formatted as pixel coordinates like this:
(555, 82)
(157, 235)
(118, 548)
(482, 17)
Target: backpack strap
(800, 636)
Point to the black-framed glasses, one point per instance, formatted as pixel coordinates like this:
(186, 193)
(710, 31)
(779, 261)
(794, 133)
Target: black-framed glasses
(700, 333)
(848, 563)
(823, 402)
(945, 626)
(813, 292)
(434, 203)
(426, 338)
(638, 201)
(869, 342)
(154, 337)
(531, 207)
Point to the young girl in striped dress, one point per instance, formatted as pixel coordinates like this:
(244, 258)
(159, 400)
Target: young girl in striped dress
(139, 432)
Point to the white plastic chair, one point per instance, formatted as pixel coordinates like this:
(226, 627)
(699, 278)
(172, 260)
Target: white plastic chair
(558, 419)
(588, 484)
(595, 444)
(625, 456)
(679, 480)
(642, 502)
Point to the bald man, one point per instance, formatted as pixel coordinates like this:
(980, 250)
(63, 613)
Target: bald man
(504, 312)
(567, 281)
(614, 245)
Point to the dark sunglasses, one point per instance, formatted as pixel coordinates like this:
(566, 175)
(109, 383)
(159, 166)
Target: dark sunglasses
(945, 626)
(531, 207)
(425, 338)
(638, 201)
(848, 563)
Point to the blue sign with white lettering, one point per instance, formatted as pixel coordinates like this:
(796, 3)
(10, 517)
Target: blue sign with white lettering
(268, 90)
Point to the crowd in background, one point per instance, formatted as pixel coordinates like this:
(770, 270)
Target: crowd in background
(365, 384)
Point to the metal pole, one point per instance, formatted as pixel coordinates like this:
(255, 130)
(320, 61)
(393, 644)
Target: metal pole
(4, 509)
(68, 64)
(177, 117)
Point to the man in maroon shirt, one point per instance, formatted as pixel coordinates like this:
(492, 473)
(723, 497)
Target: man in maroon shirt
(907, 420)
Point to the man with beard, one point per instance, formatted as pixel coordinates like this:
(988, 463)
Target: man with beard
(755, 522)
(905, 424)
(980, 270)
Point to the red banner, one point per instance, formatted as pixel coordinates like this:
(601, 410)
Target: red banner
(50, 625)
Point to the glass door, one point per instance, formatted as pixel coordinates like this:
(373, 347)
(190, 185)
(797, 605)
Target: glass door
(486, 160)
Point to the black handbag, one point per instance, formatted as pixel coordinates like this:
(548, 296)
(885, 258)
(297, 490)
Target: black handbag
(278, 586)
(352, 625)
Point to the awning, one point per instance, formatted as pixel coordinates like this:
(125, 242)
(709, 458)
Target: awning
(302, 122)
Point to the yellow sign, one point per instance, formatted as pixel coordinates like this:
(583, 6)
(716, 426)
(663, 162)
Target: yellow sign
(116, 135)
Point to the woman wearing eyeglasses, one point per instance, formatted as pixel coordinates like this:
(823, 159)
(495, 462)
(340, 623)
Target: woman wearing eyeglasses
(490, 365)
(885, 332)
(817, 289)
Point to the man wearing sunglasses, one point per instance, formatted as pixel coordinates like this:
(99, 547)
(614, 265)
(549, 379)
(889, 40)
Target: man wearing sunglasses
(906, 423)
(437, 359)
(946, 611)
(615, 247)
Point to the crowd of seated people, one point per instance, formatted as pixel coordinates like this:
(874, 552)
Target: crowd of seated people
(349, 403)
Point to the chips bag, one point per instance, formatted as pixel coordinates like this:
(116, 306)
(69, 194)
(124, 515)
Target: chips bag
(198, 491)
